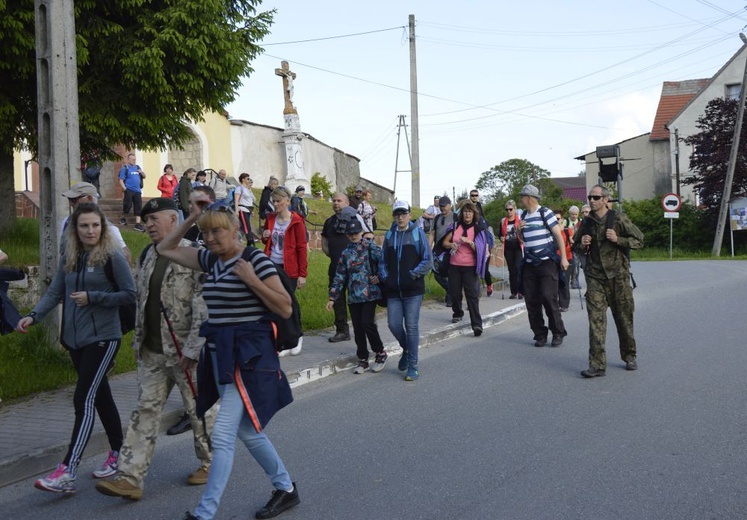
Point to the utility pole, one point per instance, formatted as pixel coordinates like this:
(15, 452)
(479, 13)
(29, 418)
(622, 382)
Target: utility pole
(59, 137)
(723, 213)
(415, 160)
(677, 159)
(401, 125)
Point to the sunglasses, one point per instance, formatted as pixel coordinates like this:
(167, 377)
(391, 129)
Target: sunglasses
(219, 206)
(595, 197)
(509, 209)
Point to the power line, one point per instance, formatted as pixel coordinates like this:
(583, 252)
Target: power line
(335, 37)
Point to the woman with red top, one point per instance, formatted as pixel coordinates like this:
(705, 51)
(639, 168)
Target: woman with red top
(468, 243)
(512, 248)
(284, 237)
(167, 182)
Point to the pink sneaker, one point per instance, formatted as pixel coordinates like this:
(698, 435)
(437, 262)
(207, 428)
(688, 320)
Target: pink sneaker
(59, 481)
(109, 467)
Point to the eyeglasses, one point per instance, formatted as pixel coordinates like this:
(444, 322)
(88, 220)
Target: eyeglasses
(401, 214)
(595, 197)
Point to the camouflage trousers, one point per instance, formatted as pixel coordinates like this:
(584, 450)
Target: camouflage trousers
(155, 382)
(617, 294)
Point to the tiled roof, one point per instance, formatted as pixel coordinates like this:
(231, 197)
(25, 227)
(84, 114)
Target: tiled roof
(577, 193)
(674, 96)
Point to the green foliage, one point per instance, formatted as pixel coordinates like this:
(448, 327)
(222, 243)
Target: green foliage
(144, 68)
(507, 179)
(21, 243)
(712, 148)
(690, 232)
(320, 184)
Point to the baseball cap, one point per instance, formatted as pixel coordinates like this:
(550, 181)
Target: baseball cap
(353, 226)
(400, 206)
(80, 189)
(443, 201)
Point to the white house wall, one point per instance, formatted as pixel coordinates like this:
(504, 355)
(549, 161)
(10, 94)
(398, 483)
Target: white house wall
(685, 120)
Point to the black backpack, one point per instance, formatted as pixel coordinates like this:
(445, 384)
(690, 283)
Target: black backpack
(128, 311)
(609, 224)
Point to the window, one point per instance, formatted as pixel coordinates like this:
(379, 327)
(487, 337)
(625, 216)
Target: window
(733, 91)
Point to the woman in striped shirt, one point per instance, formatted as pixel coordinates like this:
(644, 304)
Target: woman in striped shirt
(242, 290)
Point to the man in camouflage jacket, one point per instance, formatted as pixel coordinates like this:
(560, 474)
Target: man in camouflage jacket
(159, 365)
(608, 281)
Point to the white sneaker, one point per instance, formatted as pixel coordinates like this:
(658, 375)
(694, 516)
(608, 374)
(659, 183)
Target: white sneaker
(297, 349)
(59, 481)
(109, 467)
(362, 367)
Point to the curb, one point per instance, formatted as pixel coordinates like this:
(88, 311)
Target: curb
(343, 363)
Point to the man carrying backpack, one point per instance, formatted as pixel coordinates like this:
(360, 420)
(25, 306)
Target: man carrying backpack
(541, 268)
(606, 238)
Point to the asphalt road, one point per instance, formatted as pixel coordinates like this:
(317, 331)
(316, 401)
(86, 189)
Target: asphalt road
(499, 429)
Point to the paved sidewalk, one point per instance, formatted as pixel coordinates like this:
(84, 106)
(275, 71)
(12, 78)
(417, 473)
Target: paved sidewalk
(35, 432)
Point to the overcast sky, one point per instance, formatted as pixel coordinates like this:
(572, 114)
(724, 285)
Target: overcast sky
(545, 81)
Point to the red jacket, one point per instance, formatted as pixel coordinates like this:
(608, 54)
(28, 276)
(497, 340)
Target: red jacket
(166, 187)
(295, 262)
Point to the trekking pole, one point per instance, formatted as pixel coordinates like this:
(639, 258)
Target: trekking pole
(581, 299)
(186, 372)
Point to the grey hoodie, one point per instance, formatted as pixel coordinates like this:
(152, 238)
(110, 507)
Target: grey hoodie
(99, 320)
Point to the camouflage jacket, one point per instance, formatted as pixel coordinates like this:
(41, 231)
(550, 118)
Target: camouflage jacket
(181, 294)
(604, 259)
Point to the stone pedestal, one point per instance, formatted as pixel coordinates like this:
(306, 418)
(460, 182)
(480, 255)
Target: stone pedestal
(293, 138)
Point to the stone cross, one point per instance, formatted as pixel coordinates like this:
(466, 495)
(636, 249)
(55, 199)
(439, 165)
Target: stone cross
(288, 78)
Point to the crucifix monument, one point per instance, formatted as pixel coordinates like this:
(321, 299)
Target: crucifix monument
(292, 135)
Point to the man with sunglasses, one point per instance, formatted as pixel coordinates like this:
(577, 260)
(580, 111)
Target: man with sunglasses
(606, 238)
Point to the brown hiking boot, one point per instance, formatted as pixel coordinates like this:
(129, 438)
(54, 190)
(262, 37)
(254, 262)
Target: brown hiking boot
(119, 488)
(199, 477)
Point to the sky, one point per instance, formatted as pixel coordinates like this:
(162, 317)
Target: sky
(545, 81)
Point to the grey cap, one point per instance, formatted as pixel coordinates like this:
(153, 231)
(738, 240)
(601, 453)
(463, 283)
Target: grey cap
(530, 191)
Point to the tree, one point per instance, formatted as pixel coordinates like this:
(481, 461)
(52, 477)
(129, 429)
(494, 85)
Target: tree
(144, 68)
(507, 178)
(710, 158)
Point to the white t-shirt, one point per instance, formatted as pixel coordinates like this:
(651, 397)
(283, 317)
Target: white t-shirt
(278, 240)
(246, 198)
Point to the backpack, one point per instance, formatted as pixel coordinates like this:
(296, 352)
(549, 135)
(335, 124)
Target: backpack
(286, 331)
(128, 311)
(609, 224)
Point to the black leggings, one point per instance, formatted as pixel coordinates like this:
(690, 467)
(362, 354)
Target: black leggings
(363, 316)
(92, 391)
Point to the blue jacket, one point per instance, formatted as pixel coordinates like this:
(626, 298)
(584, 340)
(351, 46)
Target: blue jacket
(355, 269)
(246, 356)
(406, 259)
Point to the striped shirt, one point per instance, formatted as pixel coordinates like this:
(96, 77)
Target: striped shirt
(536, 235)
(228, 299)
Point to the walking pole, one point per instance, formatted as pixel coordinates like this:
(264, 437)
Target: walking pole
(186, 372)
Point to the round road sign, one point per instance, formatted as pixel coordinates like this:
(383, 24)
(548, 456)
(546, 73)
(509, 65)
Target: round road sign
(671, 202)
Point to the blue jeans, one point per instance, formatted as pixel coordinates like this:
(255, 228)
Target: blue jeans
(233, 421)
(403, 317)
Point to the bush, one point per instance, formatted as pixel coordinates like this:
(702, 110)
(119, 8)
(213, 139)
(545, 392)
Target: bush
(320, 184)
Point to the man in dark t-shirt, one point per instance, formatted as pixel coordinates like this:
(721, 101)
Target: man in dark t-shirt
(334, 241)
